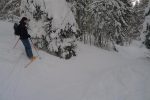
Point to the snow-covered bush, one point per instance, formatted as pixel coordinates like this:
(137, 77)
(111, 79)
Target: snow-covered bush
(63, 42)
(48, 35)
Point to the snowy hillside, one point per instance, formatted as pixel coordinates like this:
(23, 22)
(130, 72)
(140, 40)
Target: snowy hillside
(94, 74)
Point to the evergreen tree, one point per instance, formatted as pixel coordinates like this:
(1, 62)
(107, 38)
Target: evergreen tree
(146, 27)
(138, 17)
(57, 41)
(10, 9)
(104, 22)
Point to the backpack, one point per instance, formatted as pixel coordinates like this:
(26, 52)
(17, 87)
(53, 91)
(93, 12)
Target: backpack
(16, 29)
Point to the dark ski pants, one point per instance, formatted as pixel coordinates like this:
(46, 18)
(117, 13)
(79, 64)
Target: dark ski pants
(28, 48)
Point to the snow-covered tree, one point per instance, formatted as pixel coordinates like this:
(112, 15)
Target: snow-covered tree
(56, 39)
(146, 27)
(105, 22)
(10, 9)
(138, 17)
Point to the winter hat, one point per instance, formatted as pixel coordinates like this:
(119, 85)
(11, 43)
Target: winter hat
(23, 19)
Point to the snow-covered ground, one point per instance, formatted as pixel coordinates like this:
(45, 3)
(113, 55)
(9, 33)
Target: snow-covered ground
(94, 74)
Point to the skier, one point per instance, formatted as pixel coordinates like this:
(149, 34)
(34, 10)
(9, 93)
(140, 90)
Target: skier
(24, 37)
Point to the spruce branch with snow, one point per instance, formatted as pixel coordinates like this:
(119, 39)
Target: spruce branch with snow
(10, 9)
(60, 41)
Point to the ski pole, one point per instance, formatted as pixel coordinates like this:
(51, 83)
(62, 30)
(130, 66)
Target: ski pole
(16, 43)
(35, 48)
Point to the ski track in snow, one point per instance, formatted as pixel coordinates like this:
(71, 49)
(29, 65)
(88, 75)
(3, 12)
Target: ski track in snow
(94, 74)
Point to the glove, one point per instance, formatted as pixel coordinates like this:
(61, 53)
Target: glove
(29, 36)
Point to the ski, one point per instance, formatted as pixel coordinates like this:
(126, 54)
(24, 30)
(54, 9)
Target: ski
(30, 63)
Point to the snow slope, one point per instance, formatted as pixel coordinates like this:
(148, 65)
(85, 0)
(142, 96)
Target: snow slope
(94, 74)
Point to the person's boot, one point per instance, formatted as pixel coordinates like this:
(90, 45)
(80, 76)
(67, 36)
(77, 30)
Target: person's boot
(33, 58)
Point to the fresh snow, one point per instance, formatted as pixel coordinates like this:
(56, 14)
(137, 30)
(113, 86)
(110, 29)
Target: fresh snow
(95, 74)
(60, 11)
